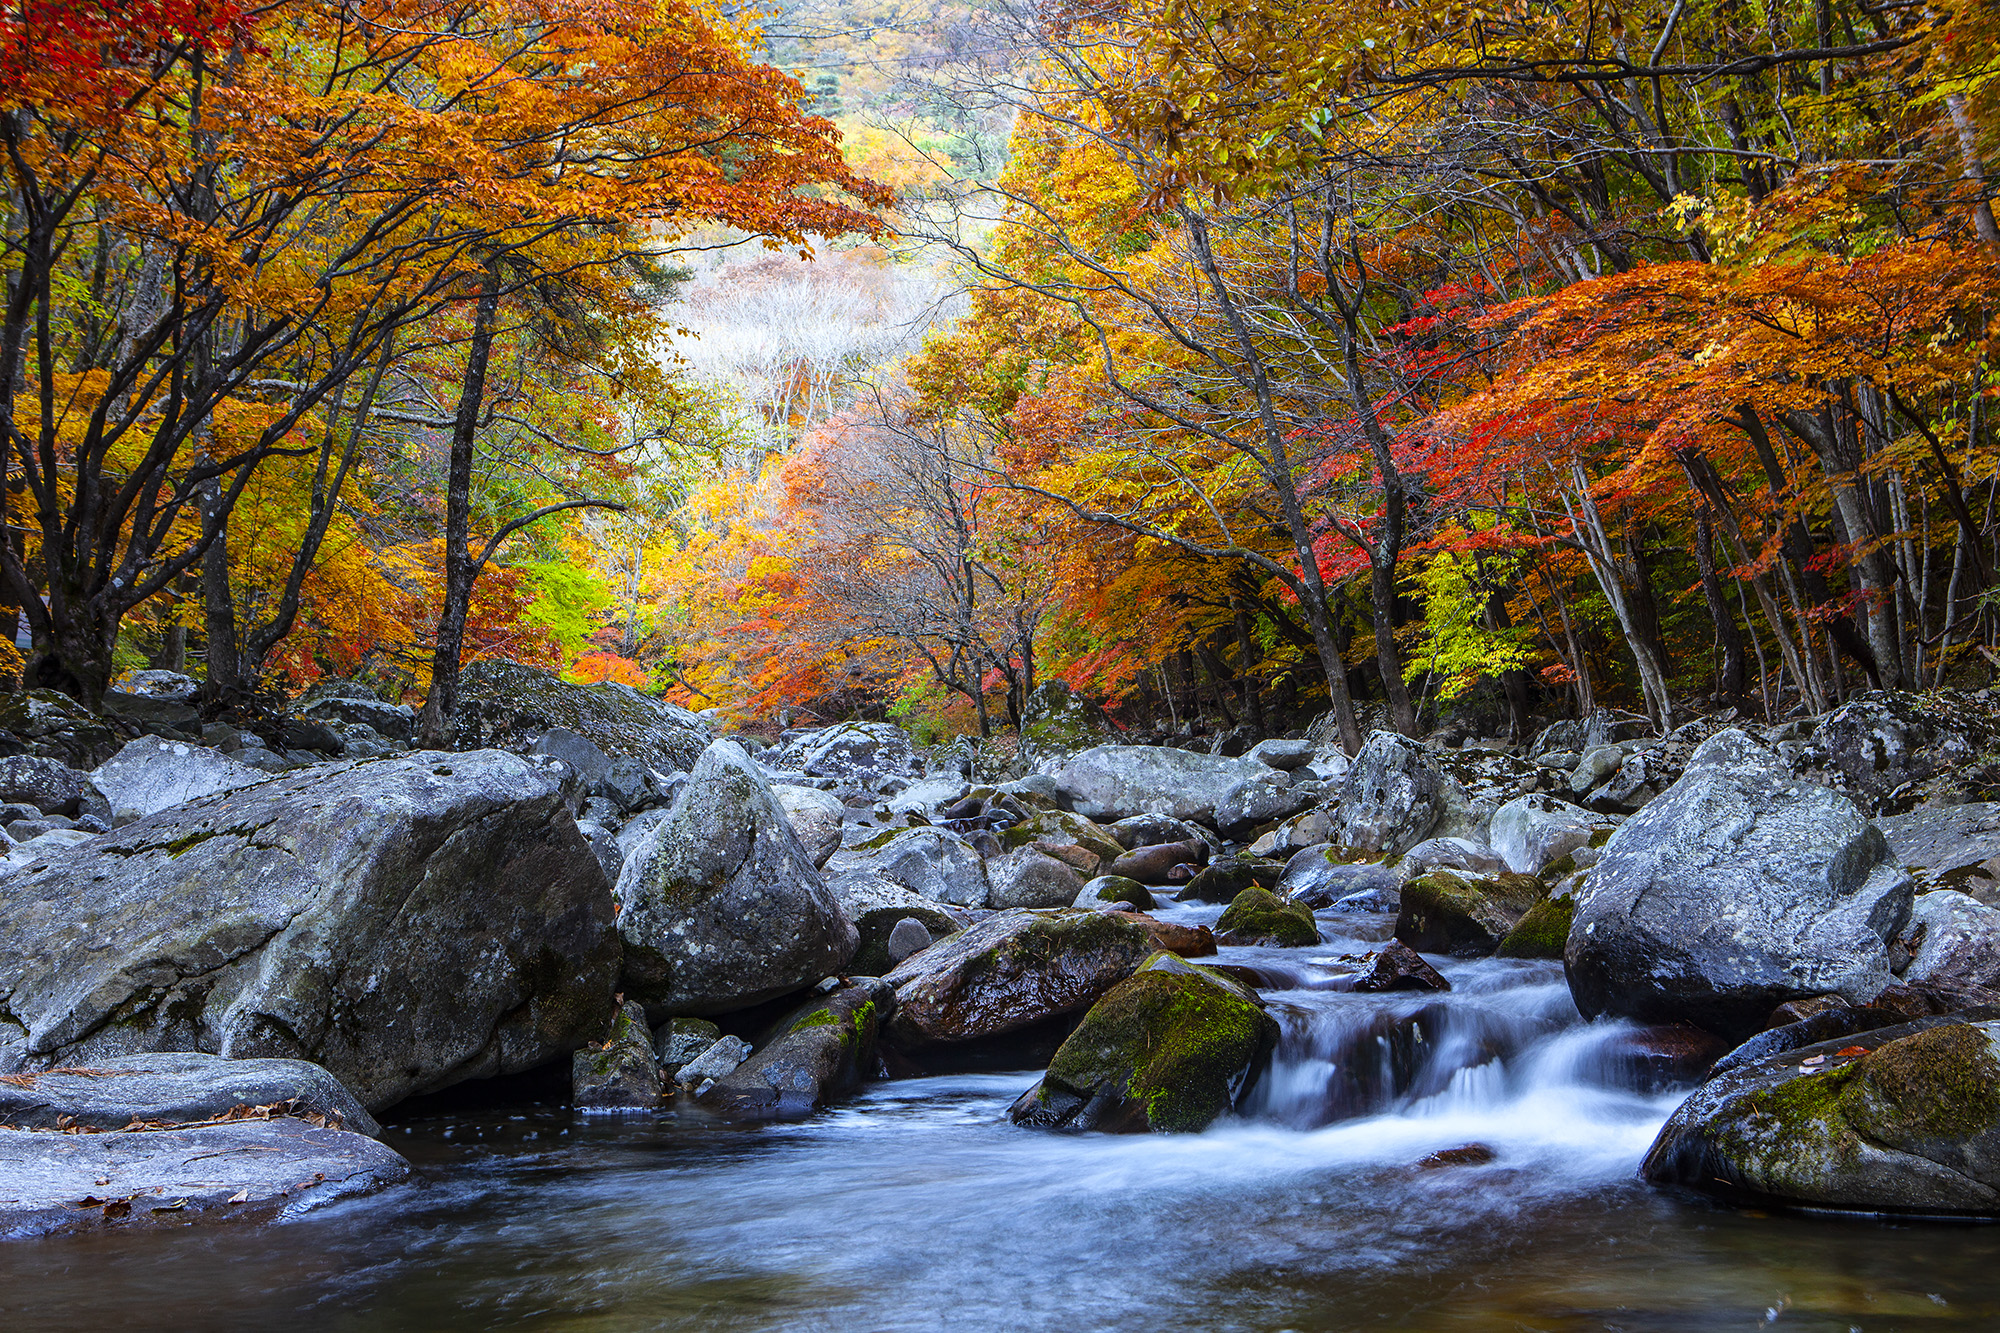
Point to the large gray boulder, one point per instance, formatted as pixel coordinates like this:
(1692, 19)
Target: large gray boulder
(1390, 798)
(1738, 889)
(816, 816)
(396, 721)
(1894, 751)
(407, 923)
(932, 863)
(509, 705)
(53, 725)
(1113, 782)
(244, 1170)
(859, 752)
(151, 775)
(52, 787)
(175, 1088)
(721, 905)
(1901, 1119)
(1534, 832)
(1954, 941)
(1948, 846)
(1057, 723)
(1030, 877)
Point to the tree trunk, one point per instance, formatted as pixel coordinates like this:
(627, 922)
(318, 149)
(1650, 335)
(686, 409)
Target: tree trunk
(459, 570)
(1729, 680)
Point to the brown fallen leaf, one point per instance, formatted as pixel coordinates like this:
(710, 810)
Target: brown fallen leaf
(1849, 1051)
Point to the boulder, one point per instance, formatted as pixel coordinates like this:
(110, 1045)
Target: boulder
(621, 1072)
(153, 717)
(1115, 889)
(1464, 916)
(1151, 830)
(244, 1170)
(816, 817)
(878, 927)
(1953, 940)
(1948, 846)
(171, 686)
(1221, 881)
(1030, 877)
(1112, 782)
(1391, 797)
(1283, 755)
(931, 863)
(1738, 889)
(176, 1088)
(510, 705)
(1251, 804)
(1542, 931)
(52, 725)
(681, 1041)
(585, 758)
(1011, 971)
(407, 923)
(1399, 967)
(398, 722)
(907, 937)
(1317, 877)
(1902, 1119)
(824, 1050)
(722, 907)
(721, 1057)
(1256, 916)
(1462, 854)
(1158, 863)
(849, 751)
(150, 775)
(1933, 748)
(1167, 1051)
(1534, 832)
(1057, 723)
(51, 787)
(1070, 838)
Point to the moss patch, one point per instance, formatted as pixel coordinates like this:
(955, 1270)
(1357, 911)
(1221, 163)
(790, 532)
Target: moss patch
(1939, 1084)
(1259, 914)
(1543, 932)
(1444, 912)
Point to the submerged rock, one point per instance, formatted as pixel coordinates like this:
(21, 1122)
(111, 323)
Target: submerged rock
(176, 1088)
(1257, 916)
(247, 1169)
(407, 923)
(1463, 916)
(1011, 971)
(825, 1050)
(622, 1072)
(1166, 1051)
(722, 906)
(1738, 889)
(1903, 1119)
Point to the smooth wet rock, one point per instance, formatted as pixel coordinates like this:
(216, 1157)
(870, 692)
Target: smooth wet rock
(1256, 916)
(827, 1049)
(1738, 889)
(176, 1088)
(1265, 799)
(1010, 971)
(509, 705)
(1113, 782)
(877, 925)
(907, 938)
(816, 816)
(1115, 889)
(150, 775)
(1156, 863)
(722, 907)
(1399, 967)
(1949, 847)
(407, 923)
(1902, 1119)
(621, 1072)
(1167, 1051)
(1665, 1055)
(1462, 915)
(718, 1061)
(1390, 798)
(251, 1169)
(1536, 831)
(1223, 879)
(1029, 877)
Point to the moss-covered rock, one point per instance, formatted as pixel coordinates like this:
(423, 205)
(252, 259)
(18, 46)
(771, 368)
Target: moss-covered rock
(1222, 881)
(1057, 723)
(1069, 838)
(823, 1049)
(1901, 1119)
(1465, 917)
(1116, 889)
(1167, 1051)
(1542, 930)
(508, 704)
(1258, 916)
(622, 1072)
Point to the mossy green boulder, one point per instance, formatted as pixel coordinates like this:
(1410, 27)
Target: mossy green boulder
(1258, 916)
(1116, 889)
(1542, 930)
(1464, 916)
(1902, 1119)
(1224, 879)
(1167, 1051)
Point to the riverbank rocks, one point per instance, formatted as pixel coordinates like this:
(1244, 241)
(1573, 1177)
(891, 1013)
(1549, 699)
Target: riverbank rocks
(1257, 916)
(1390, 798)
(1057, 723)
(1167, 1051)
(879, 928)
(1894, 751)
(1399, 967)
(1952, 940)
(407, 923)
(1028, 877)
(50, 724)
(1264, 799)
(1113, 782)
(176, 1088)
(51, 787)
(1902, 1119)
(1115, 889)
(722, 908)
(509, 705)
(244, 1170)
(1161, 862)
(1534, 832)
(931, 863)
(1464, 916)
(1223, 879)
(150, 775)
(824, 1050)
(1011, 971)
(858, 753)
(621, 1072)
(1318, 877)
(1736, 890)
(1949, 847)
(816, 816)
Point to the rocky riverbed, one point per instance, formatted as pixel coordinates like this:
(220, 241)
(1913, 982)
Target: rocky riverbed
(1303, 1002)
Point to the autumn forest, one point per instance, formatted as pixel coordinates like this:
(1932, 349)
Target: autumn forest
(1242, 360)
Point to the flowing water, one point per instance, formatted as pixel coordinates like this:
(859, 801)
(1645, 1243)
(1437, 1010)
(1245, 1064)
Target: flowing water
(916, 1206)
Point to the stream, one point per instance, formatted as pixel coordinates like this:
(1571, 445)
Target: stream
(917, 1206)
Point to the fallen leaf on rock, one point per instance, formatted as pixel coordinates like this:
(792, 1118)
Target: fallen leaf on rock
(1848, 1051)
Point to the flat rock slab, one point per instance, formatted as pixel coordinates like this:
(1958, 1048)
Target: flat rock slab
(174, 1087)
(253, 1169)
